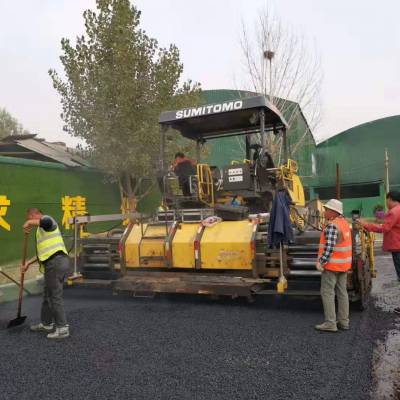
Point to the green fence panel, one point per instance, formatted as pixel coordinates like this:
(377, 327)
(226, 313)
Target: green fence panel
(27, 183)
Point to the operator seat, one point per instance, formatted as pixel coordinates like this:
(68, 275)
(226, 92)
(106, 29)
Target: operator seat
(263, 162)
(263, 158)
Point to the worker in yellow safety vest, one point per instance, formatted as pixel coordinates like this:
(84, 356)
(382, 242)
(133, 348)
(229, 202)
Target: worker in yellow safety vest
(334, 260)
(55, 264)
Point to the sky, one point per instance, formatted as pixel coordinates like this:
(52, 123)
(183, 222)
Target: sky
(358, 41)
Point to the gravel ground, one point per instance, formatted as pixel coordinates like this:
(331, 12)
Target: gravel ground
(386, 293)
(189, 348)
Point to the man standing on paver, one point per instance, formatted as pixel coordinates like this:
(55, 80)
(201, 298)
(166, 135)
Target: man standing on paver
(184, 167)
(55, 264)
(334, 260)
(391, 231)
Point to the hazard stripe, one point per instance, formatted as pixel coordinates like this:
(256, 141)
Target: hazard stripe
(340, 260)
(338, 249)
(43, 238)
(48, 248)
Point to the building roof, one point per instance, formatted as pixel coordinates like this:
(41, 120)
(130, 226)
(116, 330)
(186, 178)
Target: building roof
(360, 153)
(387, 124)
(33, 148)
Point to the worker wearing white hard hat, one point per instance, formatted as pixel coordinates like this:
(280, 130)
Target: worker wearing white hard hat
(334, 205)
(334, 260)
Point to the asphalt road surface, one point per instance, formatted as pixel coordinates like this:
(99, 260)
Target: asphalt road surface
(179, 347)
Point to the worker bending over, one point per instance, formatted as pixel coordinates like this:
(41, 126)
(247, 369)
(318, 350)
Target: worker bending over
(55, 263)
(334, 260)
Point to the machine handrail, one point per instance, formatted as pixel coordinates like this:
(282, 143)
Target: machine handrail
(205, 184)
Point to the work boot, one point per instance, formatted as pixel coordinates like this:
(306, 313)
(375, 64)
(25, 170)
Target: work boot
(42, 328)
(343, 327)
(59, 333)
(326, 327)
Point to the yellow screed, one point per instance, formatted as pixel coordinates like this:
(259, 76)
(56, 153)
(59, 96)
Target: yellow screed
(183, 246)
(227, 245)
(147, 251)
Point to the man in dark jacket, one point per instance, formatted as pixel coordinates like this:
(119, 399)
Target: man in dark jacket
(391, 231)
(184, 168)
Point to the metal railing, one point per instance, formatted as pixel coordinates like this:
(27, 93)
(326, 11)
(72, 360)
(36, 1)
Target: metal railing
(205, 184)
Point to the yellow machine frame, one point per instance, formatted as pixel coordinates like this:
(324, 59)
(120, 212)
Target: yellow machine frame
(205, 184)
(291, 181)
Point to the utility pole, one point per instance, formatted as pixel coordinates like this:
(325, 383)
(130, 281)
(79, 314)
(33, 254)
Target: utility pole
(338, 194)
(387, 183)
(268, 55)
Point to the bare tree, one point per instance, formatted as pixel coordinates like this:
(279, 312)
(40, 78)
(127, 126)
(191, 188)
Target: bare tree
(280, 64)
(9, 125)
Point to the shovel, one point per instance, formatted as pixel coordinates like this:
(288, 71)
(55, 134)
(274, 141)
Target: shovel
(20, 319)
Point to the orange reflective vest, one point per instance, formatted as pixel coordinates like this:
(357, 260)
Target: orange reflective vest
(341, 257)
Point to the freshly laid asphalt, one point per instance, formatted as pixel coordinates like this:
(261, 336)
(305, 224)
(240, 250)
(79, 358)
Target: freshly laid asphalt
(180, 347)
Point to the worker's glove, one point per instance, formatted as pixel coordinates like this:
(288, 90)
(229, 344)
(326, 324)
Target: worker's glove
(319, 267)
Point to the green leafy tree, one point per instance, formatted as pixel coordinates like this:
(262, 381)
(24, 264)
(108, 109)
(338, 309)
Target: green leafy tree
(10, 125)
(117, 82)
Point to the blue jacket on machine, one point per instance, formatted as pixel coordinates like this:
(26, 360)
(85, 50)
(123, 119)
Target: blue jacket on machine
(280, 227)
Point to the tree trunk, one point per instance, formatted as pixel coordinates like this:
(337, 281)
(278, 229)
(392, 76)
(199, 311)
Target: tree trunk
(130, 193)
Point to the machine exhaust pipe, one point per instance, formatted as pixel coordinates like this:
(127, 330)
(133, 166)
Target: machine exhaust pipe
(306, 248)
(304, 273)
(303, 262)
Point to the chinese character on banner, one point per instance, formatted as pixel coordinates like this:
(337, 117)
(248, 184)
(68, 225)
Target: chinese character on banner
(4, 204)
(72, 207)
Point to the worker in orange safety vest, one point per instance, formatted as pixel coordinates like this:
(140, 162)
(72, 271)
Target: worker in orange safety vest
(334, 260)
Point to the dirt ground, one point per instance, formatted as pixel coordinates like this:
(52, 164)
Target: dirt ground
(14, 271)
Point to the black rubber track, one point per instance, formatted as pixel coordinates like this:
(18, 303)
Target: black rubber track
(180, 347)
